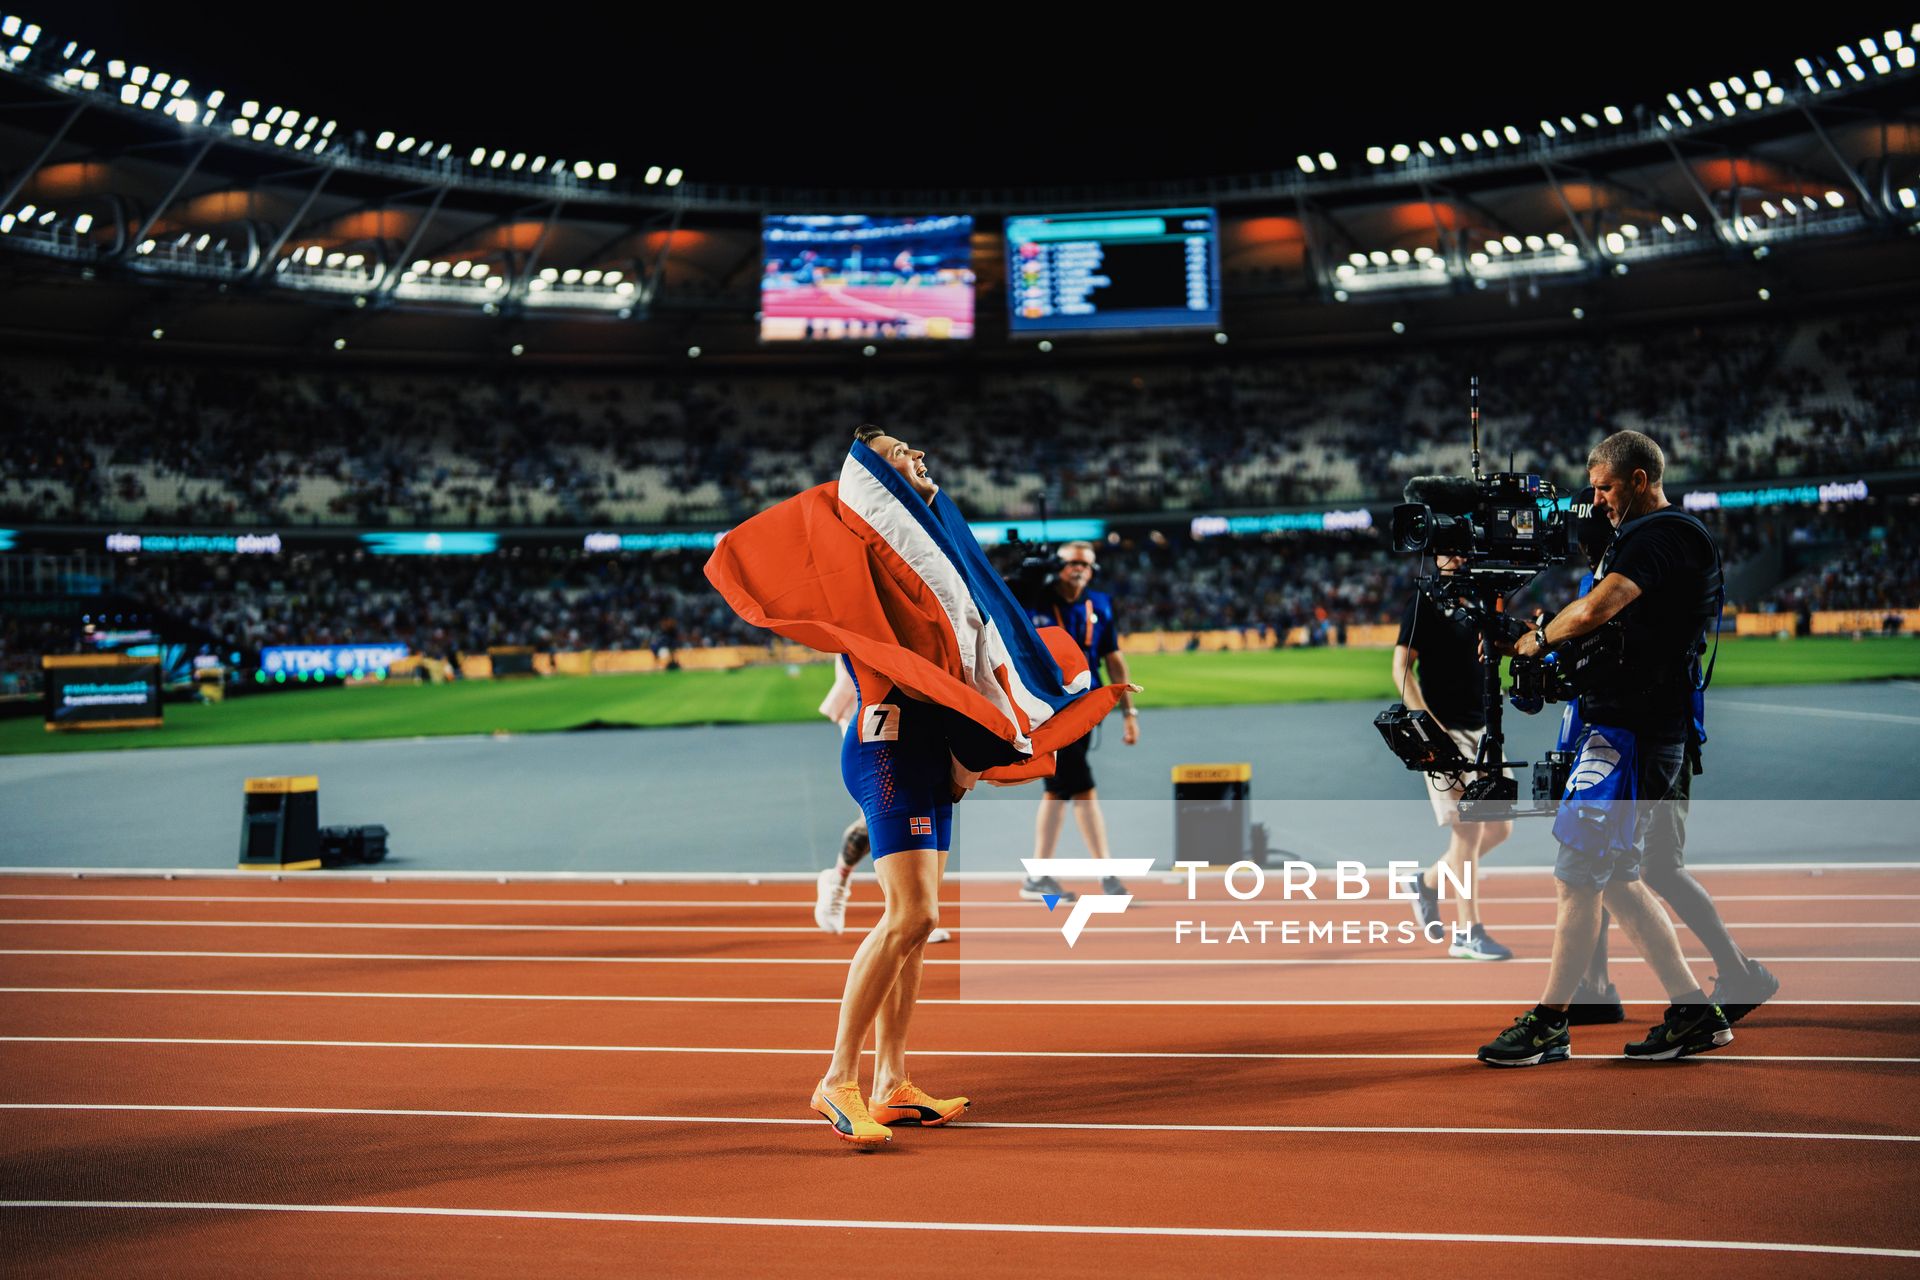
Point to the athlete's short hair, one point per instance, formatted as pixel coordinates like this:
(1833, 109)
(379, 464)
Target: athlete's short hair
(1625, 452)
(867, 434)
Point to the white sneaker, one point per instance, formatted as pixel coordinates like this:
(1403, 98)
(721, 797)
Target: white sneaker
(830, 903)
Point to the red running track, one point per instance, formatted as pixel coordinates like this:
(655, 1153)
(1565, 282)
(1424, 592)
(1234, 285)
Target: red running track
(265, 1099)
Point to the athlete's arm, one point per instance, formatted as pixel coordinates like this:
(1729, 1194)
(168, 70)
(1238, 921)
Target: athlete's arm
(1117, 674)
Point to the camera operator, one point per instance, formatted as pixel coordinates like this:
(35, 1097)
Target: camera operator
(1444, 648)
(1063, 599)
(1659, 583)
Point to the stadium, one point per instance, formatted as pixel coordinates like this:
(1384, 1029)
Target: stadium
(423, 615)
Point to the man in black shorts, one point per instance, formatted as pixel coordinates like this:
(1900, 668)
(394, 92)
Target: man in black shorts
(1088, 617)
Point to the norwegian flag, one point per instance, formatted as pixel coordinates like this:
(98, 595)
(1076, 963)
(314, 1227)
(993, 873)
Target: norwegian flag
(919, 826)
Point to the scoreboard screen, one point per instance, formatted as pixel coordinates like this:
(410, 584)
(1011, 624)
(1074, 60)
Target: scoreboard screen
(834, 278)
(101, 691)
(1081, 272)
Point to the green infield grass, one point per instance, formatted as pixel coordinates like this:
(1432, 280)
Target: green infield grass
(770, 695)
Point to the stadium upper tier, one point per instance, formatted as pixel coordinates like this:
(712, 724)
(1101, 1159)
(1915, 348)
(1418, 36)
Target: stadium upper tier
(222, 220)
(187, 443)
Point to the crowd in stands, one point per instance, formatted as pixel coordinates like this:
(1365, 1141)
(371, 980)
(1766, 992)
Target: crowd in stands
(184, 443)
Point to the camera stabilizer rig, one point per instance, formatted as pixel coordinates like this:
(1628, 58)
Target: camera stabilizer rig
(1505, 527)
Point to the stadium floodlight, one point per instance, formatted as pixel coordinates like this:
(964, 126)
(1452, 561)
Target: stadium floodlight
(1327, 161)
(1804, 67)
(612, 277)
(1586, 118)
(355, 261)
(1401, 151)
(549, 274)
(1344, 271)
(1776, 96)
(518, 162)
(1755, 102)
(1891, 38)
(1426, 149)
(10, 25)
(161, 79)
(1546, 127)
(1566, 123)
(478, 157)
(480, 270)
(139, 75)
(1672, 227)
(260, 133)
(1579, 313)
(149, 100)
(1478, 259)
(83, 223)
(1535, 243)
(653, 175)
(147, 246)
(1905, 56)
(1305, 163)
(1835, 199)
(441, 268)
(339, 344)
(536, 286)
(462, 269)
(1846, 52)
(336, 260)
(215, 98)
(497, 159)
(187, 112)
(1790, 208)
(159, 334)
(1399, 327)
(1511, 242)
(1907, 198)
(1666, 124)
(1767, 207)
(693, 353)
(252, 109)
(1377, 258)
(1357, 259)
(1736, 84)
(1555, 239)
(1686, 220)
(6, 224)
(1422, 253)
(582, 170)
(314, 255)
(1496, 248)
(273, 116)
(90, 81)
(422, 266)
(570, 276)
(494, 282)
(1765, 294)
(1436, 264)
(1854, 70)
(1813, 206)
(1616, 243)
(1339, 295)
(1400, 257)
(590, 277)
(200, 245)
(1513, 135)
(1882, 64)
(179, 88)
(72, 75)
(539, 164)
(1376, 155)
(1446, 145)
(608, 171)
(1762, 79)
(1613, 115)
(327, 131)
(1470, 142)
(1493, 139)
(116, 68)
(1673, 100)
(31, 34)
(673, 177)
(446, 149)
(1686, 119)
(129, 94)
(280, 138)
(518, 349)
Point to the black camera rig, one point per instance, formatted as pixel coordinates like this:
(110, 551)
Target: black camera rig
(1505, 528)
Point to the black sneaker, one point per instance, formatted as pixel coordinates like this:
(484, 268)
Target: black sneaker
(1529, 1042)
(1112, 885)
(1426, 905)
(1596, 1006)
(1040, 888)
(1687, 1029)
(1741, 996)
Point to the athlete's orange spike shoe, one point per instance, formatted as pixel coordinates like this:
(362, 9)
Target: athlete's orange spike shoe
(845, 1111)
(911, 1105)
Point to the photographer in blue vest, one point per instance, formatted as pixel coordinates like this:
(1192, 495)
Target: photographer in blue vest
(1622, 820)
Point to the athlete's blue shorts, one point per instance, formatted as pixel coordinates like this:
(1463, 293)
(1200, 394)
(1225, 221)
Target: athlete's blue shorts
(897, 767)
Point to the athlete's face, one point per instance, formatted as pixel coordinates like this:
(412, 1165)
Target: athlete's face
(908, 461)
(1621, 497)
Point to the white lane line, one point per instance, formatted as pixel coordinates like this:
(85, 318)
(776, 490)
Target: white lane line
(1002, 1228)
(801, 905)
(827, 1052)
(1130, 962)
(1824, 713)
(1043, 1125)
(1403, 1002)
(545, 927)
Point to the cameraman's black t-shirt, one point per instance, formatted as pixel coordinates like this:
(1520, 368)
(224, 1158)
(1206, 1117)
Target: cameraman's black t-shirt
(1673, 563)
(1449, 667)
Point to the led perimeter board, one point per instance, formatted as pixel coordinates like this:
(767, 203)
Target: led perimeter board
(1092, 272)
(833, 278)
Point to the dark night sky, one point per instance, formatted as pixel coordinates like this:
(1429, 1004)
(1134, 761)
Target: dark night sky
(833, 96)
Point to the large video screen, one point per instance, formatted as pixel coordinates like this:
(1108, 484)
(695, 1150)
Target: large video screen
(1147, 269)
(837, 278)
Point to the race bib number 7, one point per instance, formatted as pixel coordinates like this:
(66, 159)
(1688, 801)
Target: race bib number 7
(880, 723)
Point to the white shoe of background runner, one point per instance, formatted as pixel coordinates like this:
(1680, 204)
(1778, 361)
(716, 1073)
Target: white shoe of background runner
(830, 903)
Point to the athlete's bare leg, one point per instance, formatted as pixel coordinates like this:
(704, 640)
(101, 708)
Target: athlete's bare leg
(1046, 825)
(896, 1012)
(910, 881)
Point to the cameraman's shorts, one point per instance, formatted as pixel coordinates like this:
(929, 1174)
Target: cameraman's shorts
(1446, 796)
(1660, 825)
(1072, 775)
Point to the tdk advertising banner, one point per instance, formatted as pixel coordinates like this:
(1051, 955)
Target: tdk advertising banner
(330, 659)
